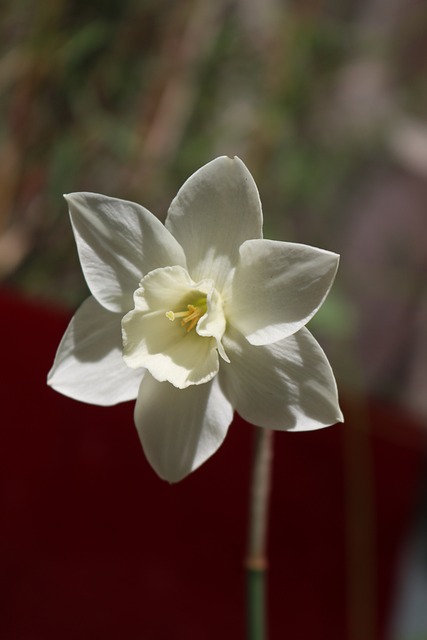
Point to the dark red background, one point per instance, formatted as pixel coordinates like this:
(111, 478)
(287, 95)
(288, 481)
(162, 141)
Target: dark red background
(94, 545)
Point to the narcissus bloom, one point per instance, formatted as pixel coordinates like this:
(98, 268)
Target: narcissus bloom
(196, 318)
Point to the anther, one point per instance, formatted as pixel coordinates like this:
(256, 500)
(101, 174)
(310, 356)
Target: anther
(189, 317)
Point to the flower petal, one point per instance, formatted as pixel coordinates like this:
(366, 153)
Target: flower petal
(118, 242)
(216, 210)
(89, 365)
(277, 287)
(286, 385)
(180, 429)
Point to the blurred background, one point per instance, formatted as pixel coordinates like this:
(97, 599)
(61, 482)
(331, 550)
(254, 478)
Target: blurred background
(324, 100)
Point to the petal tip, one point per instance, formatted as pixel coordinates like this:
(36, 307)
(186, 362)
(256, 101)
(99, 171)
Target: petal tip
(72, 200)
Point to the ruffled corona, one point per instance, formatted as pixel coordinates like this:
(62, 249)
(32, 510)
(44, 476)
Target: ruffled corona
(182, 353)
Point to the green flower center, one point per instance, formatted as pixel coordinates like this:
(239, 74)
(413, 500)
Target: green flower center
(191, 316)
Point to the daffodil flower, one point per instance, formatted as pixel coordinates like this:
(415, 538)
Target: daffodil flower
(196, 318)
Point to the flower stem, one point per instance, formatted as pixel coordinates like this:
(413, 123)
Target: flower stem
(256, 562)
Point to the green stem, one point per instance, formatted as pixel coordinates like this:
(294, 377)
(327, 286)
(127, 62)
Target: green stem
(256, 618)
(256, 563)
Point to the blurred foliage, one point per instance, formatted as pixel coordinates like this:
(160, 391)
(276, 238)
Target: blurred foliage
(128, 98)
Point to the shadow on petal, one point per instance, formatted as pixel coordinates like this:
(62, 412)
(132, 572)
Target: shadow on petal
(96, 332)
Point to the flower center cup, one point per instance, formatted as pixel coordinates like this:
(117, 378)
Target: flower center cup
(191, 317)
(183, 353)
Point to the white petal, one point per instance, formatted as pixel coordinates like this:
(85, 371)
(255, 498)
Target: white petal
(118, 242)
(88, 365)
(278, 287)
(286, 385)
(216, 210)
(180, 429)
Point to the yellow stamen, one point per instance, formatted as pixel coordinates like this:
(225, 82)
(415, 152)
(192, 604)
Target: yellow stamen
(190, 317)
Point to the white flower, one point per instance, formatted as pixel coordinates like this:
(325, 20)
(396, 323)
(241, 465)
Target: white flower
(196, 318)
